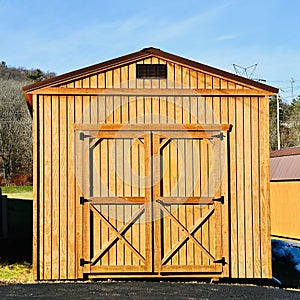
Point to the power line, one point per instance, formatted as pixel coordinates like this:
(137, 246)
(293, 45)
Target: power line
(292, 87)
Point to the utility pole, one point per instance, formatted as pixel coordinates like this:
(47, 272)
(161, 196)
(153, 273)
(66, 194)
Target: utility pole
(278, 123)
(292, 88)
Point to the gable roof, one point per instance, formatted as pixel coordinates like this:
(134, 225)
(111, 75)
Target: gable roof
(142, 54)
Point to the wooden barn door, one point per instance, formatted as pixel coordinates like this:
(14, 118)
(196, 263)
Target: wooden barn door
(187, 203)
(117, 204)
(152, 202)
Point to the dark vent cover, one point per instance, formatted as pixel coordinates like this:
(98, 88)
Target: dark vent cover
(151, 71)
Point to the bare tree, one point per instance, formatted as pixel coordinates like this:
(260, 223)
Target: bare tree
(15, 130)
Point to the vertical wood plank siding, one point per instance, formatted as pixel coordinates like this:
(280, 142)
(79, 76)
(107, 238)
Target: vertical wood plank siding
(59, 233)
(35, 220)
(285, 206)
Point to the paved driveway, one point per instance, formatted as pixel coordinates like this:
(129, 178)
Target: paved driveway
(143, 290)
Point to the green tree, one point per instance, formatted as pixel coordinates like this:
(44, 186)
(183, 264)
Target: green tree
(283, 127)
(36, 75)
(292, 120)
(273, 123)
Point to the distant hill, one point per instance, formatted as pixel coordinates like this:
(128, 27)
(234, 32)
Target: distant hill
(16, 122)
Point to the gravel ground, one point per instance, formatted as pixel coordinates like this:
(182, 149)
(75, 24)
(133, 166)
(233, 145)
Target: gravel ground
(143, 290)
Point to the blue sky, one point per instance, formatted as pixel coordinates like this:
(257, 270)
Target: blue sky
(64, 35)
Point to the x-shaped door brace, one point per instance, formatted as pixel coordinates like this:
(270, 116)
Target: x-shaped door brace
(188, 233)
(119, 234)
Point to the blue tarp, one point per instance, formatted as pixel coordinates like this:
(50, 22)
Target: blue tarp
(286, 262)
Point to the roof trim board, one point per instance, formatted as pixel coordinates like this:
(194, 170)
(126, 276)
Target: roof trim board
(145, 53)
(286, 152)
(148, 92)
(85, 71)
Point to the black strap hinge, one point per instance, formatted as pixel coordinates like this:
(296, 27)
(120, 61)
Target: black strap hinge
(84, 262)
(219, 136)
(221, 261)
(82, 200)
(221, 199)
(81, 136)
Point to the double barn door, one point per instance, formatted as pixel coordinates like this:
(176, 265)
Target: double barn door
(152, 201)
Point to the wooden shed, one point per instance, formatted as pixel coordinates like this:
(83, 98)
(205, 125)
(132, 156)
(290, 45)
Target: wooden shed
(284, 193)
(150, 165)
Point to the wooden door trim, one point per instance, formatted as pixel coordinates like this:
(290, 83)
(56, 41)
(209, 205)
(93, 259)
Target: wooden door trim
(90, 263)
(156, 193)
(152, 127)
(152, 206)
(116, 200)
(160, 205)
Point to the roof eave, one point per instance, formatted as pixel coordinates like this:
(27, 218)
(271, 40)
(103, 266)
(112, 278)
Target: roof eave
(213, 70)
(144, 53)
(85, 71)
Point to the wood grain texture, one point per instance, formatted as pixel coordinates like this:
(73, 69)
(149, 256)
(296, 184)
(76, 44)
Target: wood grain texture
(36, 177)
(255, 191)
(248, 188)
(110, 90)
(284, 206)
(233, 191)
(47, 185)
(77, 246)
(265, 189)
(129, 120)
(55, 184)
(63, 187)
(71, 191)
(40, 187)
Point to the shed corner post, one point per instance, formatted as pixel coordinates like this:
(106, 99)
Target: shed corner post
(266, 251)
(35, 146)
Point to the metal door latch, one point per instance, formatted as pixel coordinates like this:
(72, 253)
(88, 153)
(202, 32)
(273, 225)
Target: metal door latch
(220, 261)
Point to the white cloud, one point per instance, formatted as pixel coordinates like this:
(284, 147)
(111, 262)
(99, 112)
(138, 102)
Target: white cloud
(226, 37)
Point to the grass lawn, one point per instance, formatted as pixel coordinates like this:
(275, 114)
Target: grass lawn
(18, 192)
(12, 271)
(15, 273)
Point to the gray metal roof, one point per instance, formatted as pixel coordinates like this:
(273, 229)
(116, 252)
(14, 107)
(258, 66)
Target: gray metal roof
(285, 164)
